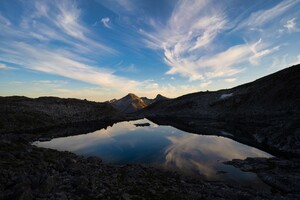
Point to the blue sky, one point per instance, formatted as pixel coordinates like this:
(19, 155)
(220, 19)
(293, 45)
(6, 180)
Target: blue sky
(100, 49)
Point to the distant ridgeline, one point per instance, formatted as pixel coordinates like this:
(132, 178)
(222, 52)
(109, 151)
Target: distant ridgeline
(131, 103)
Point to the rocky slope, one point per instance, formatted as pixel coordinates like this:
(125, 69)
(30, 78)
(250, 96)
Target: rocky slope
(282, 174)
(19, 114)
(131, 103)
(270, 106)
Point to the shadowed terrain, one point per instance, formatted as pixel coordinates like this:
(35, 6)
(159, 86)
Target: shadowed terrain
(269, 106)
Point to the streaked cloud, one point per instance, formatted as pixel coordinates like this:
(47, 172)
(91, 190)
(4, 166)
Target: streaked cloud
(64, 64)
(52, 22)
(188, 40)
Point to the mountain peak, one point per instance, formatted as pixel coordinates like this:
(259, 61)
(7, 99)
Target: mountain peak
(159, 97)
(132, 103)
(131, 95)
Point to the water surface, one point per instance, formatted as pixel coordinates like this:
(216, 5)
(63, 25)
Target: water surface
(192, 154)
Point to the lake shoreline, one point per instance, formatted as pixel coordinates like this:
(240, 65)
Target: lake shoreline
(29, 172)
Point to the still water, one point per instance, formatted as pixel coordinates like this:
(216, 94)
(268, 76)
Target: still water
(164, 146)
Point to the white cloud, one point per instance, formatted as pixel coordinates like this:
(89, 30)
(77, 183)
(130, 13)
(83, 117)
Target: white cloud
(259, 52)
(188, 40)
(291, 25)
(74, 57)
(283, 62)
(106, 22)
(60, 21)
(65, 64)
(230, 80)
(205, 84)
(263, 17)
(192, 26)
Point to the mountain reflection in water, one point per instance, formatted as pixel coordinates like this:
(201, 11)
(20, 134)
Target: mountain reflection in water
(125, 143)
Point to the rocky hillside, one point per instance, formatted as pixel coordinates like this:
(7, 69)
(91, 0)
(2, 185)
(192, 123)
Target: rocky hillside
(271, 105)
(131, 103)
(22, 113)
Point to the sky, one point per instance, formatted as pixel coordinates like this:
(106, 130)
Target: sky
(105, 49)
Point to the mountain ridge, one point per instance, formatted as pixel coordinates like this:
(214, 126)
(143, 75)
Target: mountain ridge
(132, 103)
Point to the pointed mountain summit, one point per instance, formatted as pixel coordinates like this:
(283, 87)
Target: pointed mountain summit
(131, 102)
(160, 97)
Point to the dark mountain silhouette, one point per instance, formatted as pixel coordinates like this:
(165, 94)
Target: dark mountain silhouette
(19, 113)
(271, 105)
(158, 97)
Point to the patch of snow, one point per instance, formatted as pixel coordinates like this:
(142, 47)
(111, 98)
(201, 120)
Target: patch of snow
(225, 96)
(226, 133)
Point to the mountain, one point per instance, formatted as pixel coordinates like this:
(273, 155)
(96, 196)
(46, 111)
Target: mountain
(128, 104)
(270, 106)
(131, 103)
(158, 97)
(19, 113)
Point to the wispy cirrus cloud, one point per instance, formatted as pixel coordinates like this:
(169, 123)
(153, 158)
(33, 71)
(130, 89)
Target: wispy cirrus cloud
(262, 17)
(190, 29)
(43, 29)
(189, 39)
(64, 64)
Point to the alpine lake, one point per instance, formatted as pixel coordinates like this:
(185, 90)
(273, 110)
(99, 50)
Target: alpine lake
(144, 142)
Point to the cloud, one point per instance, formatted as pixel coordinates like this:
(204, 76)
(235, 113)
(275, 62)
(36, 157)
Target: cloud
(58, 43)
(291, 25)
(284, 61)
(205, 84)
(50, 21)
(262, 17)
(184, 151)
(189, 41)
(5, 67)
(50, 83)
(121, 6)
(230, 80)
(131, 68)
(4, 21)
(106, 22)
(222, 64)
(65, 64)
(192, 26)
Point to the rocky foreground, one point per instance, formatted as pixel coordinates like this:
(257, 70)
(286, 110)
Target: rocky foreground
(282, 174)
(28, 172)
